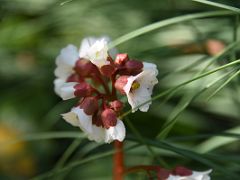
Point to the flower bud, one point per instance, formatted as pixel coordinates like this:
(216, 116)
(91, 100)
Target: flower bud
(120, 83)
(214, 47)
(109, 118)
(182, 171)
(74, 78)
(83, 90)
(121, 59)
(134, 67)
(116, 105)
(84, 67)
(107, 70)
(89, 105)
(97, 120)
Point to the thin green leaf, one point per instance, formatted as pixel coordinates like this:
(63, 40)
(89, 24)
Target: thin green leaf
(183, 105)
(223, 85)
(223, 6)
(45, 136)
(165, 23)
(140, 137)
(218, 141)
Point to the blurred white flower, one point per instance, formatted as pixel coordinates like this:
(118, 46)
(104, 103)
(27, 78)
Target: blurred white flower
(139, 88)
(194, 176)
(97, 53)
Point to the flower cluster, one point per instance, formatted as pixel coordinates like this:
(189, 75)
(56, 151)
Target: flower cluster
(94, 75)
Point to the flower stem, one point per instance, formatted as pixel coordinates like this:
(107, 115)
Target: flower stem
(118, 169)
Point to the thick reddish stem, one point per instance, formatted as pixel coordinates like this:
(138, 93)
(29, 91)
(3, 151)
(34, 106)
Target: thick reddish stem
(118, 169)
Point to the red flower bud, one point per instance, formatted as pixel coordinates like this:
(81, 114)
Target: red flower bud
(134, 67)
(107, 70)
(182, 171)
(116, 105)
(97, 120)
(109, 118)
(89, 105)
(74, 78)
(83, 90)
(84, 67)
(120, 83)
(163, 173)
(121, 59)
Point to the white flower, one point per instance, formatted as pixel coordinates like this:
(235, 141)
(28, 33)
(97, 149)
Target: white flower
(97, 53)
(195, 176)
(77, 117)
(139, 88)
(68, 56)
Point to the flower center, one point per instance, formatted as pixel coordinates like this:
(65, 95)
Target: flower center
(135, 85)
(97, 54)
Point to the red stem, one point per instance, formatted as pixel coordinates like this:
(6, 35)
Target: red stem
(118, 169)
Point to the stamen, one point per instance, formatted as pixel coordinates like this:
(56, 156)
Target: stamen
(135, 85)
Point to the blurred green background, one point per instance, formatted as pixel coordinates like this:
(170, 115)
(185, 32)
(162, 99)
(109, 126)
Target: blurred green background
(32, 33)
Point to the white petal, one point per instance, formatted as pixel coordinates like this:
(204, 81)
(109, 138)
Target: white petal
(67, 90)
(89, 41)
(201, 175)
(66, 61)
(71, 118)
(57, 85)
(117, 132)
(85, 121)
(151, 67)
(77, 117)
(97, 134)
(85, 45)
(68, 56)
(63, 71)
(98, 53)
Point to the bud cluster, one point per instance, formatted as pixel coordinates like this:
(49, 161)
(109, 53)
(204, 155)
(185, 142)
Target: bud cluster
(94, 77)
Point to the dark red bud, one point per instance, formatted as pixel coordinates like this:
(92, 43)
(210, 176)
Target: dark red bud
(107, 70)
(84, 67)
(182, 171)
(116, 105)
(120, 83)
(97, 120)
(109, 118)
(83, 90)
(163, 173)
(134, 66)
(75, 78)
(121, 59)
(89, 105)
